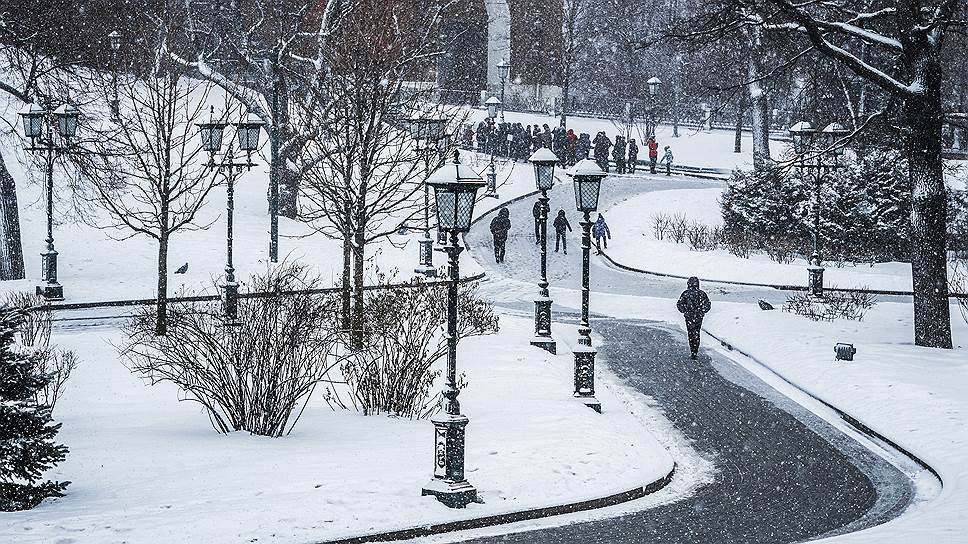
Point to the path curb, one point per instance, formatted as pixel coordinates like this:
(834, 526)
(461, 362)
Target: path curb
(778, 287)
(511, 517)
(851, 420)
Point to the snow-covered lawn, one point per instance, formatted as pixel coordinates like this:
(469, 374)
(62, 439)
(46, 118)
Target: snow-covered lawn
(634, 244)
(149, 469)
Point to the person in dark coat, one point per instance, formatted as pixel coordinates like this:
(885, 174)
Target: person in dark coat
(483, 132)
(561, 224)
(601, 233)
(572, 148)
(536, 212)
(546, 137)
(633, 156)
(618, 154)
(693, 305)
(602, 145)
(500, 226)
(584, 147)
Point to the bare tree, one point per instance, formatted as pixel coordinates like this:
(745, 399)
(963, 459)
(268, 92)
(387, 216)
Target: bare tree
(147, 171)
(365, 171)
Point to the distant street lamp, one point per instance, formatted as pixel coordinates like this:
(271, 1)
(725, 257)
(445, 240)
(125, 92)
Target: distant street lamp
(37, 122)
(654, 84)
(503, 71)
(587, 178)
(544, 161)
(455, 191)
(427, 131)
(821, 152)
(248, 139)
(492, 106)
(114, 39)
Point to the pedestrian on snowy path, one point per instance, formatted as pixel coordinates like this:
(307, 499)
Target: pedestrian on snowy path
(633, 155)
(693, 305)
(561, 223)
(653, 153)
(602, 144)
(667, 160)
(618, 154)
(500, 226)
(601, 233)
(583, 147)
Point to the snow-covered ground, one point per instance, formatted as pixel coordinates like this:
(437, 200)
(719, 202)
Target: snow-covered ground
(149, 469)
(635, 245)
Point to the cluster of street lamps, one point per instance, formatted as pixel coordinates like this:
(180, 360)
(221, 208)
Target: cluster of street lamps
(819, 151)
(432, 142)
(247, 133)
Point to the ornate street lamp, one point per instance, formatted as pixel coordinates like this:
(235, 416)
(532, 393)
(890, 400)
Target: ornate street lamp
(492, 105)
(247, 132)
(114, 39)
(36, 123)
(654, 84)
(587, 178)
(544, 161)
(427, 131)
(455, 191)
(503, 71)
(813, 148)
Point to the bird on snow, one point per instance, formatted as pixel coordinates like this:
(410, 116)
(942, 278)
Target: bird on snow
(182, 269)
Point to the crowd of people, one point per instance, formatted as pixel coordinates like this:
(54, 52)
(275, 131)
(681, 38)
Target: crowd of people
(517, 142)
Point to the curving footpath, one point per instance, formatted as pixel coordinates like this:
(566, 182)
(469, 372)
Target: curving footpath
(783, 473)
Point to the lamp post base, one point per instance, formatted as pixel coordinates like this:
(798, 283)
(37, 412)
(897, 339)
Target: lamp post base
(585, 376)
(542, 325)
(428, 271)
(449, 485)
(426, 267)
(815, 280)
(51, 292)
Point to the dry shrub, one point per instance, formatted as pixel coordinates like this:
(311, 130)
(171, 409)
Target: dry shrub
(852, 305)
(250, 376)
(678, 228)
(660, 225)
(34, 335)
(393, 372)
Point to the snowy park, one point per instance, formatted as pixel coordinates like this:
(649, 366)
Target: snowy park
(385, 271)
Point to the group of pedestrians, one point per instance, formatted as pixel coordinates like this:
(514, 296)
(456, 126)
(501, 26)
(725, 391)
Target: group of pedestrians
(517, 142)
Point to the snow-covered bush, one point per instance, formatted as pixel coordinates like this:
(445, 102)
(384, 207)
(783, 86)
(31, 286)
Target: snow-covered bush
(27, 447)
(251, 375)
(394, 371)
(678, 228)
(852, 305)
(703, 237)
(34, 336)
(865, 211)
(660, 225)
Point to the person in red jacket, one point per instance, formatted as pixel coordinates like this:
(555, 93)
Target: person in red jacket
(653, 153)
(571, 148)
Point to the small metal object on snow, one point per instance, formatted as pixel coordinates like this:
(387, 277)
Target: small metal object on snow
(844, 352)
(764, 305)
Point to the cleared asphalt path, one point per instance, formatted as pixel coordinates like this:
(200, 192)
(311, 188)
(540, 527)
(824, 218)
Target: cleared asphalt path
(783, 474)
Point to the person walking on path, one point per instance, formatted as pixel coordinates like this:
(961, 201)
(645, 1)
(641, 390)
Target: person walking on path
(561, 223)
(601, 233)
(618, 154)
(602, 144)
(583, 147)
(633, 156)
(572, 149)
(667, 160)
(693, 305)
(536, 212)
(653, 153)
(500, 226)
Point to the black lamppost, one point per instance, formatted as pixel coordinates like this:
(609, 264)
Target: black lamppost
(587, 177)
(492, 105)
(66, 117)
(455, 191)
(821, 152)
(428, 132)
(654, 84)
(544, 161)
(248, 136)
(114, 39)
(503, 71)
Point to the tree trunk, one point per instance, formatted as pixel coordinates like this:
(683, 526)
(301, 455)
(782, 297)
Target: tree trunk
(345, 292)
(358, 276)
(740, 115)
(287, 179)
(923, 121)
(11, 247)
(161, 316)
(759, 104)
